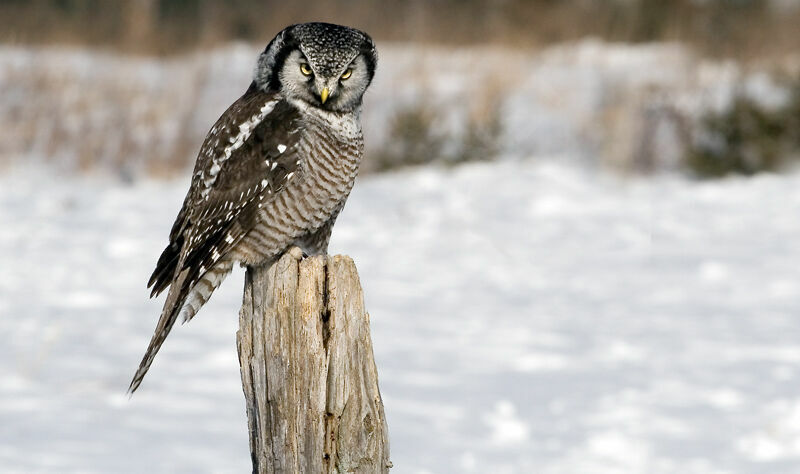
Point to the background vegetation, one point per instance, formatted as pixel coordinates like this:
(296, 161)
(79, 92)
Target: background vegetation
(748, 137)
(751, 28)
(167, 68)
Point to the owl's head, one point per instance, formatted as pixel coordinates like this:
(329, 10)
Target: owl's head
(324, 65)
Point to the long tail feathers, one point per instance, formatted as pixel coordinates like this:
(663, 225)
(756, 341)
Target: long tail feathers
(202, 291)
(180, 301)
(169, 314)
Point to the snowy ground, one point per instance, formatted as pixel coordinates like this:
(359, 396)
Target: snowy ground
(526, 318)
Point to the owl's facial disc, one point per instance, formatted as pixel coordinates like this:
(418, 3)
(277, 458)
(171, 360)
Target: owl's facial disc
(334, 87)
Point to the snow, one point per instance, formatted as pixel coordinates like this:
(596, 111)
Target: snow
(526, 317)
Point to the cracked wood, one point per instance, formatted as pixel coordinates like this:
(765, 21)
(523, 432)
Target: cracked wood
(308, 372)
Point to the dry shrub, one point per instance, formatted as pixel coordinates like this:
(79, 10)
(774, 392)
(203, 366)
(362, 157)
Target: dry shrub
(481, 139)
(81, 112)
(643, 133)
(747, 138)
(413, 139)
(416, 138)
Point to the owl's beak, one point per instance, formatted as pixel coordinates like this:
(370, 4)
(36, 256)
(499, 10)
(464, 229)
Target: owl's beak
(323, 95)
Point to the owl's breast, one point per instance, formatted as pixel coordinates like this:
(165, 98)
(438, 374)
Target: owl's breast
(328, 159)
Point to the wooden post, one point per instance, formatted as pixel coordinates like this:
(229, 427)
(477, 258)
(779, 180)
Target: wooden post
(308, 373)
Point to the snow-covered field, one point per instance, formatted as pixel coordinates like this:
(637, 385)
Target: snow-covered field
(526, 318)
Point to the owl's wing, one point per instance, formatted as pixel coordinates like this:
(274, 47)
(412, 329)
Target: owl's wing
(250, 151)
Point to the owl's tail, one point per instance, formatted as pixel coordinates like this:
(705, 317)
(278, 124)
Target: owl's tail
(181, 300)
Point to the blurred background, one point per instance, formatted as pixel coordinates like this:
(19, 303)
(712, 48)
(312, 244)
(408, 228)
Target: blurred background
(576, 227)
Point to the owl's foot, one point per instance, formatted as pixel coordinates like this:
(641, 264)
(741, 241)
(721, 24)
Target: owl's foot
(297, 253)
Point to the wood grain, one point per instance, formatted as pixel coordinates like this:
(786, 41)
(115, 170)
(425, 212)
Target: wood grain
(308, 372)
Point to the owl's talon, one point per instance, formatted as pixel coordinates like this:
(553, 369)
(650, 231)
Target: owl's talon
(297, 253)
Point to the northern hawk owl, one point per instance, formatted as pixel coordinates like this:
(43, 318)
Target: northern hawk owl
(273, 172)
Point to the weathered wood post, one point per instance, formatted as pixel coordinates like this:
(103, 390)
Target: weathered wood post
(308, 373)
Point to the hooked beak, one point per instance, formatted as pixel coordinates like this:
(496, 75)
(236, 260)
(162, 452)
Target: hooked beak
(323, 95)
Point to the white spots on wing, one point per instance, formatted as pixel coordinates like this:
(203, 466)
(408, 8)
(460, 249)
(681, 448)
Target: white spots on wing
(264, 183)
(289, 176)
(245, 128)
(274, 164)
(214, 169)
(215, 255)
(202, 269)
(235, 142)
(281, 148)
(229, 238)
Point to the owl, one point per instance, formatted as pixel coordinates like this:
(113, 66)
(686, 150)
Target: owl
(273, 172)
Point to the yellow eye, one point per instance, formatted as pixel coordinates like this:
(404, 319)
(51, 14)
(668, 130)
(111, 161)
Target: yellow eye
(305, 69)
(346, 75)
